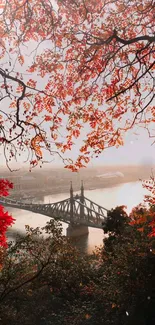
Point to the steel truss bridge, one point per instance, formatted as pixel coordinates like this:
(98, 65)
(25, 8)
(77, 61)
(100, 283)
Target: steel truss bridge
(76, 210)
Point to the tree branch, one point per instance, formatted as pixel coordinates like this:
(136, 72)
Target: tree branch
(132, 84)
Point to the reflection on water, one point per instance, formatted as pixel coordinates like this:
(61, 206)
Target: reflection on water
(129, 194)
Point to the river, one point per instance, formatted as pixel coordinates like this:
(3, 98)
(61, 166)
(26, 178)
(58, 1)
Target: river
(129, 194)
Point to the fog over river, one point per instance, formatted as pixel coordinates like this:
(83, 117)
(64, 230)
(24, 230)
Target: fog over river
(129, 194)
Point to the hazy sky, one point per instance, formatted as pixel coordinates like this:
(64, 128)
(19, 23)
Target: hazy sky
(137, 149)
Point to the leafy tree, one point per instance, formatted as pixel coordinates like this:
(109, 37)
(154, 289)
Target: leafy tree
(145, 215)
(114, 225)
(68, 63)
(127, 271)
(45, 280)
(116, 220)
(41, 279)
(6, 219)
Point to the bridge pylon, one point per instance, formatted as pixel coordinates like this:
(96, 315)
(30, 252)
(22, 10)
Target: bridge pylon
(82, 201)
(75, 230)
(71, 203)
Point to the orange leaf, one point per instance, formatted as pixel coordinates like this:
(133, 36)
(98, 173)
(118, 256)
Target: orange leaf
(21, 59)
(48, 118)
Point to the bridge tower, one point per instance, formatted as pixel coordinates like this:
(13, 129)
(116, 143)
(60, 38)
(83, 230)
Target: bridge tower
(82, 201)
(71, 203)
(76, 230)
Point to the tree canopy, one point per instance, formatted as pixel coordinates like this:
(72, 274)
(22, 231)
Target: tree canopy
(46, 280)
(6, 219)
(71, 69)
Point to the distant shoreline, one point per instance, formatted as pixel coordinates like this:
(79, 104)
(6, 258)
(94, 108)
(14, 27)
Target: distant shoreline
(65, 189)
(56, 182)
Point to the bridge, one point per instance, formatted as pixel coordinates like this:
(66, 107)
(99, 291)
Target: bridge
(78, 211)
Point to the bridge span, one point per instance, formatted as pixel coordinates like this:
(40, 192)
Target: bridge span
(78, 211)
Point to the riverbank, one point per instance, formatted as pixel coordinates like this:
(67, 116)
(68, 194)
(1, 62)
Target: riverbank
(57, 181)
(35, 192)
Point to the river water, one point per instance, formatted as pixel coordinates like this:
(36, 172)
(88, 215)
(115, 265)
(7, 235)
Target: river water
(129, 194)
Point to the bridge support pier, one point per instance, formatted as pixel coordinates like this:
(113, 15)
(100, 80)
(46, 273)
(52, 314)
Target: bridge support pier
(76, 230)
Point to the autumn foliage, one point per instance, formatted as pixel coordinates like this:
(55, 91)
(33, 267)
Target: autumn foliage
(143, 216)
(74, 70)
(46, 280)
(6, 219)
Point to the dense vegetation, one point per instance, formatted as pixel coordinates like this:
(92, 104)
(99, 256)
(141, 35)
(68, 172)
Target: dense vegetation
(44, 280)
